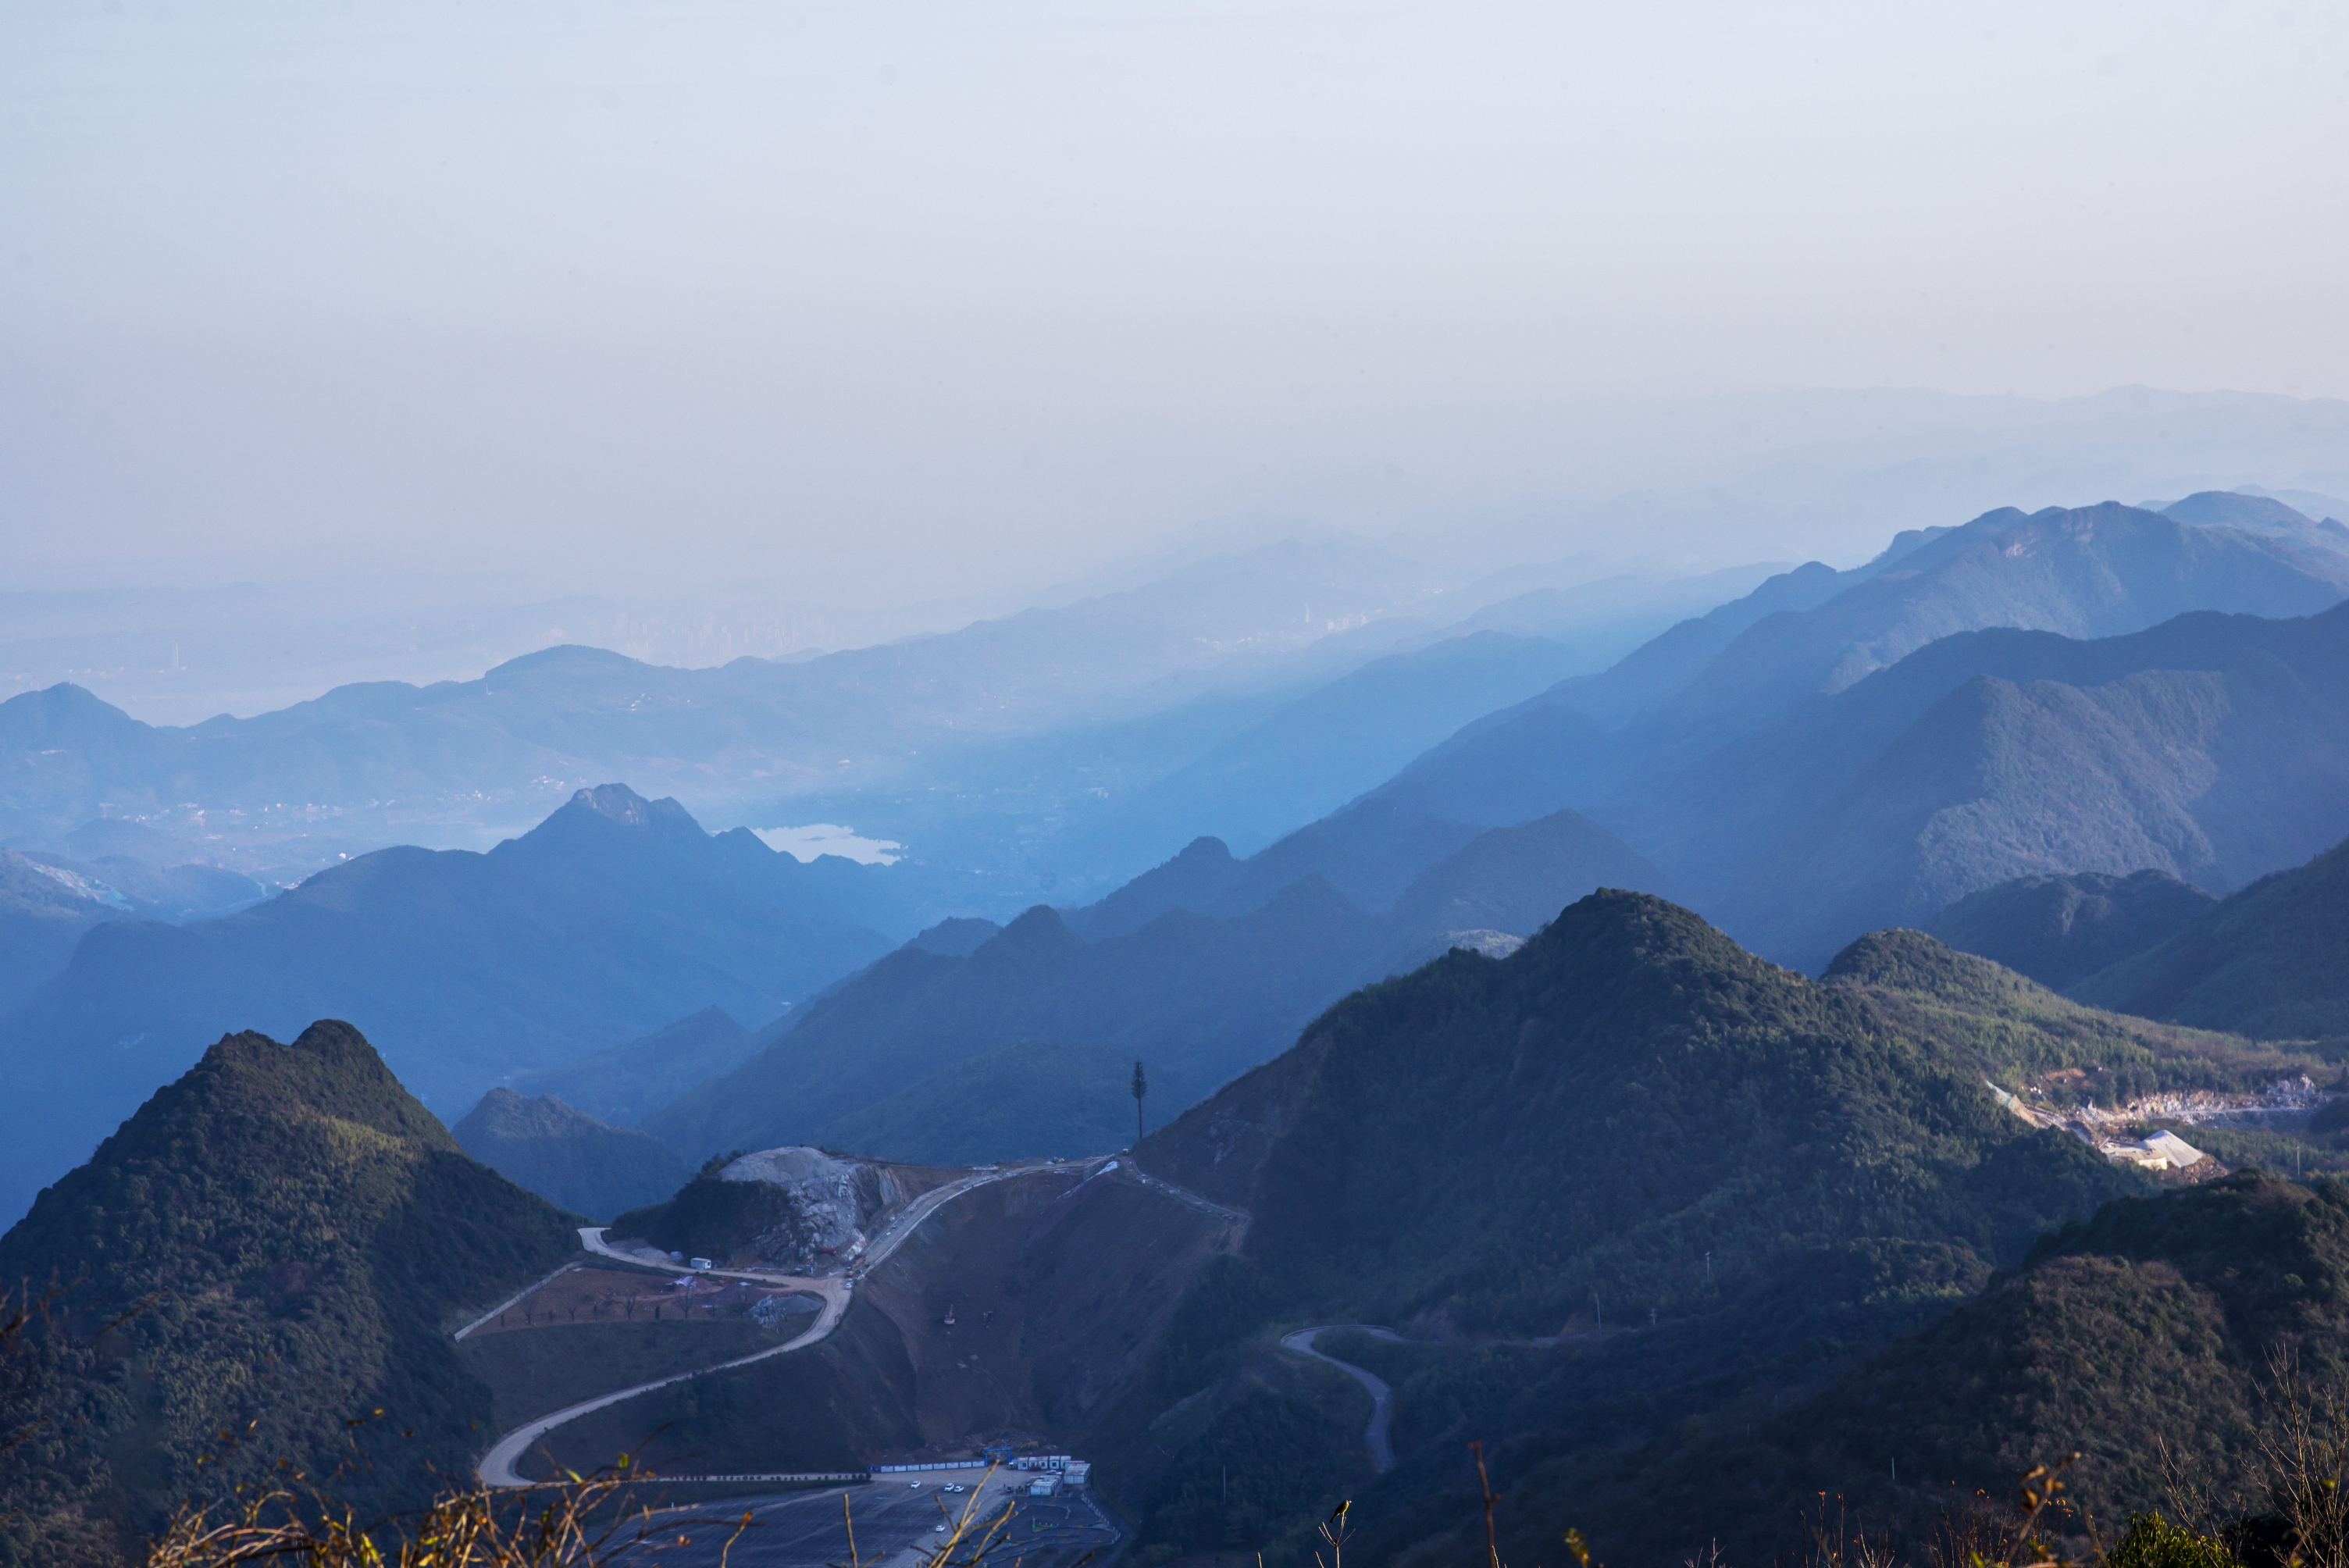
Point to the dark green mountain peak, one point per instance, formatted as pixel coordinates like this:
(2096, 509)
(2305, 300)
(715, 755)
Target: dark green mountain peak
(1915, 962)
(1492, 1141)
(303, 1234)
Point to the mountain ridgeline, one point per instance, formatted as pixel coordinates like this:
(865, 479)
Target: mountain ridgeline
(2271, 960)
(1633, 1090)
(2060, 929)
(614, 917)
(1197, 969)
(2103, 689)
(567, 1156)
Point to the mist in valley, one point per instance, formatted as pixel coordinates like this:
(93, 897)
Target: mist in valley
(874, 735)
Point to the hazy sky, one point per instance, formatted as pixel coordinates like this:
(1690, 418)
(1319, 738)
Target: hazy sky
(920, 299)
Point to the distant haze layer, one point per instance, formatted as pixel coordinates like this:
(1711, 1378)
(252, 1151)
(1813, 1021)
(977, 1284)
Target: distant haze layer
(878, 318)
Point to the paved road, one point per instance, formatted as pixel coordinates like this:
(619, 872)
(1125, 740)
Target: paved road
(894, 1523)
(1374, 1436)
(497, 1465)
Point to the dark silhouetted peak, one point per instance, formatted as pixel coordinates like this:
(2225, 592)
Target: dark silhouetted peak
(1194, 880)
(62, 712)
(567, 1156)
(1515, 879)
(590, 816)
(625, 806)
(1306, 897)
(566, 658)
(1203, 851)
(503, 1113)
(1037, 933)
(959, 937)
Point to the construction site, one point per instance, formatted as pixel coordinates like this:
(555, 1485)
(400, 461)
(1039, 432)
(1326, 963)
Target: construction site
(2133, 1133)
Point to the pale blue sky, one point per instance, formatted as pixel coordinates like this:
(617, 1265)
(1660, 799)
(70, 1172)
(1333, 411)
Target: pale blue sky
(910, 297)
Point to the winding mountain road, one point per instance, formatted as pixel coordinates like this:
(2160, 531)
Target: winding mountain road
(1374, 1436)
(497, 1467)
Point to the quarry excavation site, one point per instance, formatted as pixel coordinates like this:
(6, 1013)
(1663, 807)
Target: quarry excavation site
(2130, 1133)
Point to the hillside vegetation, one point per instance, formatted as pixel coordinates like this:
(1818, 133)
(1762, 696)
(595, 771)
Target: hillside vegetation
(294, 1236)
(567, 1156)
(1632, 1193)
(615, 916)
(2017, 1030)
(1195, 972)
(1634, 1165)
(1633, 1090)
(2060, 929)
(2273, 960)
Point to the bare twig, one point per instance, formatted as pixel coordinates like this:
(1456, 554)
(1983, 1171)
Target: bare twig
(1484, 1487)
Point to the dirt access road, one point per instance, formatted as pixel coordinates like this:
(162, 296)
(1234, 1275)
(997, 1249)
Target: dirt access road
(497, 1465)
(1374, 1436)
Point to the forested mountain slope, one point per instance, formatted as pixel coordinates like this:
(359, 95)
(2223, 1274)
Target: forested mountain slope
(2271, 960)
(1632, 1090)
(2215, 748)
(294, 1236)
(2149, 1329)
(2060, 929)
(1625, 1193)
(1198, 996)
(567, 1157)
(613, 917)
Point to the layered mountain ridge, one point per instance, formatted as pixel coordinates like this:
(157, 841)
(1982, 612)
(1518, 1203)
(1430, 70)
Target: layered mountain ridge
(1191, 970)
(614, 917)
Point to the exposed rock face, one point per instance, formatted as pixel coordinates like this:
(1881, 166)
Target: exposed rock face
(827, 1203)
